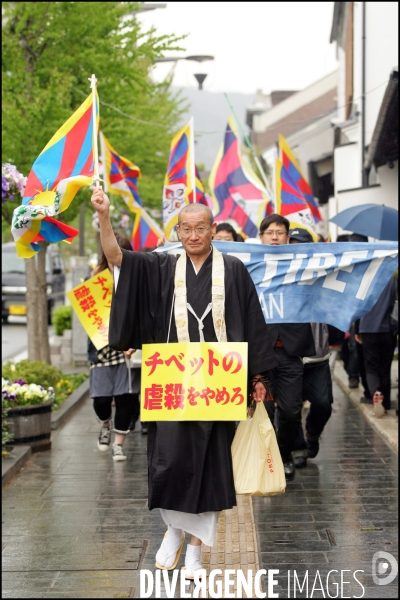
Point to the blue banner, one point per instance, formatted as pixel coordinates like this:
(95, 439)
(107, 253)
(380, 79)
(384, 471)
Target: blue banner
(333, 283)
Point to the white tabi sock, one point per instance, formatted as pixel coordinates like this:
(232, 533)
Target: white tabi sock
(193, 554)
(166, 554)
(173, 539)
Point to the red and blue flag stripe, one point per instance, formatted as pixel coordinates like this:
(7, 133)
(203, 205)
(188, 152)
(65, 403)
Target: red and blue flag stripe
(291, 165)
(232, 187)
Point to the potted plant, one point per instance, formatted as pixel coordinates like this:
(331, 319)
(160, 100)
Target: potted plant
(29, 404)
(28, 395)
(29, 413)
(6, 436)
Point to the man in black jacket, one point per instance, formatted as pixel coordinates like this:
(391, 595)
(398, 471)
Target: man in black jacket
(291, 341)
(317, 381)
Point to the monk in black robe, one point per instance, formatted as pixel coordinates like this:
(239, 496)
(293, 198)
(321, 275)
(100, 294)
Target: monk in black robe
(190, 463)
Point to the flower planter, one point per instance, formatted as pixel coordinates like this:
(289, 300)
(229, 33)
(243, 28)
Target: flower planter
(31, 425)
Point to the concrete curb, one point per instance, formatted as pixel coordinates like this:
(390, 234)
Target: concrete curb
(387, 426)
(13, 463)
(71, 404)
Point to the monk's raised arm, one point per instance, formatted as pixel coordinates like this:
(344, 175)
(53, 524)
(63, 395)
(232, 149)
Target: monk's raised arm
(101, 203)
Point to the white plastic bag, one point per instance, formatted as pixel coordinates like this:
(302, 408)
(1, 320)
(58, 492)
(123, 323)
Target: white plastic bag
(257, 464)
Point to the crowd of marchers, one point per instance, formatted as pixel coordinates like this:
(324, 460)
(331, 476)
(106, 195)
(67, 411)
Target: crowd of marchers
(161, 297)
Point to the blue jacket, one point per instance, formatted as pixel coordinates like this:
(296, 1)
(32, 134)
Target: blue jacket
(378, 319)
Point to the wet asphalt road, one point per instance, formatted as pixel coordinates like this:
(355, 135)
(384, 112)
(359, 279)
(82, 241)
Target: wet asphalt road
(336, 514)
(13, 337)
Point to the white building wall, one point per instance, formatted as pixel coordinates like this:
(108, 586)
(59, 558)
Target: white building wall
(347, 167)
(341, 86)
(376, 194)
(382, 49)
(389, 180)
(312, 144)
(357, 56)
(381, 58)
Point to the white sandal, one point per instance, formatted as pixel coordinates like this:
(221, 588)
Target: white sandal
(164, 556)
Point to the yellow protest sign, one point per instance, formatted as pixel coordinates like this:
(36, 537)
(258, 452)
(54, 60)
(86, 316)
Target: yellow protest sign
(91, 301)
(197, 381)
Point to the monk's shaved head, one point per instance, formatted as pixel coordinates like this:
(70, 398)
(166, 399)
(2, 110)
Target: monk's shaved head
(196, 208)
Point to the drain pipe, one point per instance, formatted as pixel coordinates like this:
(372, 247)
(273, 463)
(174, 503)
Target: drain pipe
(364, 172)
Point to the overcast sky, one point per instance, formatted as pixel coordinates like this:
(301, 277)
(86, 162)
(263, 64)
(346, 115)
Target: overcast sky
(256, 45)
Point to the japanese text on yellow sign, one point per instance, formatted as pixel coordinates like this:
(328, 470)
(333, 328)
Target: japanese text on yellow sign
(197, 381)
(92, 302)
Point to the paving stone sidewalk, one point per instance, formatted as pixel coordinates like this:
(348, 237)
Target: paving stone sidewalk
(76, 524)
(388, 425)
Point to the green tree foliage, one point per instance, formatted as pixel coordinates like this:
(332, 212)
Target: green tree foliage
(49, 49)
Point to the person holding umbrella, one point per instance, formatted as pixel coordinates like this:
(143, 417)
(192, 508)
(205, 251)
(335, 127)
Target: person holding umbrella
(377, 332)
(373, 220)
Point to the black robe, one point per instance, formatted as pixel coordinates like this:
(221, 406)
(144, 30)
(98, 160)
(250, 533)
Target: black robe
(190, 463)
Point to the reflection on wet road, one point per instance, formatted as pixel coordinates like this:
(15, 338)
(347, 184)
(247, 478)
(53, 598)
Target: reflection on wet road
(75, 524)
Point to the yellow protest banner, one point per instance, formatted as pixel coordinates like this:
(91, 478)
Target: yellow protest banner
(91, 301)
(197, 381)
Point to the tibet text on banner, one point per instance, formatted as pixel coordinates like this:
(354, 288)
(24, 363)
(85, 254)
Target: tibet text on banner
(197, 381)
(334, 283)
(91, 301)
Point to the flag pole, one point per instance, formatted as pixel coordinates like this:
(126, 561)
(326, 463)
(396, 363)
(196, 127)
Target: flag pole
(96, 179)
(276, 155)
(192, 159)
(103, 161)
(249, 144)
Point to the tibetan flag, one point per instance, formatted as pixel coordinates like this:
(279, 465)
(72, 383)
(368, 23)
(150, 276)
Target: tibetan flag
(269, 210)
(290, 163)
(290, 202)
(146, 231)
(178, 187)
(120, 174)
(61, 169)
(201, 196)
(236, 190)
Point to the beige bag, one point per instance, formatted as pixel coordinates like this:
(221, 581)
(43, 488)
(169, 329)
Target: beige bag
(257, 464)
